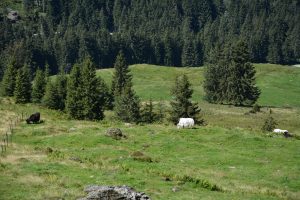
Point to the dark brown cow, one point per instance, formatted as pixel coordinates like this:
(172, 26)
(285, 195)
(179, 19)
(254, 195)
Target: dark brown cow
(34, 118)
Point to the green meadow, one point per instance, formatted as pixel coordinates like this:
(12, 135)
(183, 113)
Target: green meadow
(280, 85)
(228, 158)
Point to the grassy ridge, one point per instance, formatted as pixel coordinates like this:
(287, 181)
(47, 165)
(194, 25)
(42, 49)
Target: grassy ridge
(280, 85)
(230, 154)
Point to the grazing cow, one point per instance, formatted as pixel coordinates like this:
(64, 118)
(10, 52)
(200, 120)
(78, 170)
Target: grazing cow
(284, 132)
(277, 130)
(34, 118)
(185, 122)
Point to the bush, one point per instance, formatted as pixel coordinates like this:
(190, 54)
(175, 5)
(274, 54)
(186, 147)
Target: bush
(269, 124)
(255, 109)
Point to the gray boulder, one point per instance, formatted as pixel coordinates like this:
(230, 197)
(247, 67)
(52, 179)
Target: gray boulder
(115, 133)
(113, 193)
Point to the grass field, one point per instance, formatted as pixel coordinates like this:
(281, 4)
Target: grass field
(280, 85)
(229, 158)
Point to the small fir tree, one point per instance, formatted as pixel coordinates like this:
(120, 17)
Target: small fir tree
(182, 106)
(9, 80)
(127, 105)
(269, 124)
(51, 98)
(161, 112)
(39, 86)
(22, 91)
(147, 114)
(121, 75)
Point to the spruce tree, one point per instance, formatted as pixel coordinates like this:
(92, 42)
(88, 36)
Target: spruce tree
(230, 77)
(241, 88)
(61, 87)
(9, 80)
(188, 55)
(51, 98)
(93, 95)
(39, 85)
(121, 75)
(269, 124)
(127, 105)
(147, 113)
(22, 91)
(74, 100)
(182, 106)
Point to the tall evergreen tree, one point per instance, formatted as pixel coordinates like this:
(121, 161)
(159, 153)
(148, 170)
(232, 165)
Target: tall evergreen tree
(74, 100)
(241, 88)
(230, 78)
(61, 87)
(188, 55)
(9, 80)
(121, 75)
(182, 106)
(39, 86)
(93, 95)
(22, 91)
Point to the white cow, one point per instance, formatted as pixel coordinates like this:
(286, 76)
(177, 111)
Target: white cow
(185, 122)
(277, 130)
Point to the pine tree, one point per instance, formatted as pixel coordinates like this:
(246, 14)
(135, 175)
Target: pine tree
(9, 80)
(230, 78)
(74, 100)
(121, 75)
(39, 86)
(147, 113)
(22, 91)
(270, 124)
(188, 55)
(51, 98)
(47, 71)
(241, 88)
(127, 105)
(61, 87)
(182, 106)
(93, 95)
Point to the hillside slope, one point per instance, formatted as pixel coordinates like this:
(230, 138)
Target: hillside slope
(240, 163)
(280, 85)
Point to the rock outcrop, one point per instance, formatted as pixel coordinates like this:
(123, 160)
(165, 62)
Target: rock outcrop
(115, 133)
(113, 193)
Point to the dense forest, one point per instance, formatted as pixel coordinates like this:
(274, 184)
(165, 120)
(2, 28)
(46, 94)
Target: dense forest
(60, 33)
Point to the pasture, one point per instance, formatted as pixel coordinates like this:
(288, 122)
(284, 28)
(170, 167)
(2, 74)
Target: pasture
(229, 158)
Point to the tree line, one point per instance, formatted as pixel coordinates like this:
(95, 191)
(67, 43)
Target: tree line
(229, 79)
(60, 33)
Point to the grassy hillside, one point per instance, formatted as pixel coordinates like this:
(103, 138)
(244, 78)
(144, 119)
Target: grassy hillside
(241, 163)
(229, 158)
(280, 85)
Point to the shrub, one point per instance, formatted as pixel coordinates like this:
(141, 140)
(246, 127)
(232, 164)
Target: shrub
(269, 124)
(255, 109)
